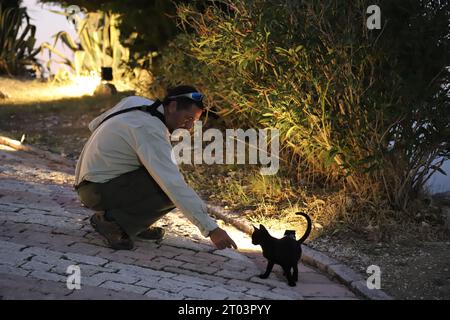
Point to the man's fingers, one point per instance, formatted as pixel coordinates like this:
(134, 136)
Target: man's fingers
(222, 240)
(230, 244)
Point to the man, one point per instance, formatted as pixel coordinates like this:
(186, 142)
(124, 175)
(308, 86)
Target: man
(126, 173)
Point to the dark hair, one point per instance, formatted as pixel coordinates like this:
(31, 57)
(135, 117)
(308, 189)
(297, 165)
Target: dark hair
(183, 103)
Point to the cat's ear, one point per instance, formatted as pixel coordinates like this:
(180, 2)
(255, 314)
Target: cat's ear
(256, 229)
(262, 227)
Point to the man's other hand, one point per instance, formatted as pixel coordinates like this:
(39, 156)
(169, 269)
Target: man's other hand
(221, 239)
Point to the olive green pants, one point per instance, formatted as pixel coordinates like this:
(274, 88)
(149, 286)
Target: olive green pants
(134, 200)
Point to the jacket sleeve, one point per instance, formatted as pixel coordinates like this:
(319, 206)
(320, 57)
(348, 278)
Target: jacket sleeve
(155, 152)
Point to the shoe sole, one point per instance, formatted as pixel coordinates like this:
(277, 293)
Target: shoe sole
(150, 240)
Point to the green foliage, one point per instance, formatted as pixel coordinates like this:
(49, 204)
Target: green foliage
(145, 25)
(98, 46)
(365, 108)
(17, 40)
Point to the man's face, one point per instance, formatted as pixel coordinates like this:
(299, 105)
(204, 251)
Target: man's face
(181, 119)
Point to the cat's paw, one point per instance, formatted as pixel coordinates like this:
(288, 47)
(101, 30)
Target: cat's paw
(292, 284)
(263, 276)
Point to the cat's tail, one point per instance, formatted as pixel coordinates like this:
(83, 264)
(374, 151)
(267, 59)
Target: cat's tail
(308, 227)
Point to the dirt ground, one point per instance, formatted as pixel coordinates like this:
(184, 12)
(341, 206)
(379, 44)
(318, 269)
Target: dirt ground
(411, 268)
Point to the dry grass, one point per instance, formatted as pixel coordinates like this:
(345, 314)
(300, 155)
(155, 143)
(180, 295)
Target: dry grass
(273, 202)
(49, 119)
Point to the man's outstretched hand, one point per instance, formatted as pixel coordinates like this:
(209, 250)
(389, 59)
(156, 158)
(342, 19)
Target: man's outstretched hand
(221, 239)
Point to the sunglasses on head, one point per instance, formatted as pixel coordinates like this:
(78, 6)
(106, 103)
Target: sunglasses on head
(196, 96)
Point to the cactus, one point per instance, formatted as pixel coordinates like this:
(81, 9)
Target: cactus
(98, 46)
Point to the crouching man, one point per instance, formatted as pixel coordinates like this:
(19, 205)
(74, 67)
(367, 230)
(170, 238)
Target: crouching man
(126, 174)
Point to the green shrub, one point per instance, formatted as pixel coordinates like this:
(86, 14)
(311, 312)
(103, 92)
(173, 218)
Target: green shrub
(364, 109)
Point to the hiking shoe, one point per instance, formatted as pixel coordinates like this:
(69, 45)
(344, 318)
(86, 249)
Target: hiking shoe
(152, 233)
(112, 232)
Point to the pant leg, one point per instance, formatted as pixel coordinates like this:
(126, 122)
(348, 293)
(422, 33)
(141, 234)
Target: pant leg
(134, 200)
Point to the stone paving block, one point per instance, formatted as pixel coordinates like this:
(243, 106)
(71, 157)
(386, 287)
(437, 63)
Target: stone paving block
(187, 244)
(81, 258)
(13, 217)
(38, 228)
(11, 229)
(302, 268)
(51, 239)
(203, 294)
(234, 274)
(48, 276)
(211, 257)
(269, 295)
(6, 245)
(5, 238)
(158, 294)
(84, 248)
(43, 253)
(288, 292)
(229, 265)
(146, 247)
(9, 208)
(55, 246)
(55, 260)
(324, 290)
(116, 256)
(118, 286)
(170, 252)
(135, 255)
(194, 280)
(232, 287)
(234, 255)
(138, 271)
(159, 263)
(200, 268)
(243, 296)
(272, 281)
(51, 221)
(168, 284)
(247, 285)
(224, 290)
(204, 276)
(6, 269)
(116, 277)
(85, 269)
(329, 298)
(98, 293)
(25, 288)
(312, 277)
(36, 265)
(192, 258)
(13, 258)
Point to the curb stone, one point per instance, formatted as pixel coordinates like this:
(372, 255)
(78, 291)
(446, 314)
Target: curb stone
(314, 258)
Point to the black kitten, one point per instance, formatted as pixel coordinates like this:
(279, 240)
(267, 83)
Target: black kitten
(285, 251)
